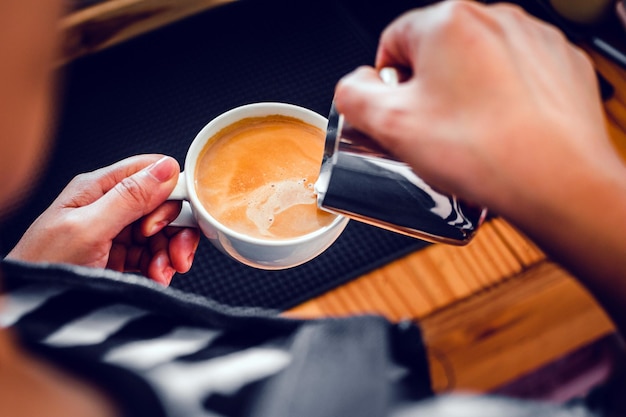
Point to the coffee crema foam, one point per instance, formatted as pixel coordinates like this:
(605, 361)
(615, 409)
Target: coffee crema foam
(256, 177)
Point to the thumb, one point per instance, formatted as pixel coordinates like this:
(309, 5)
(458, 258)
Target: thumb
(133, 197)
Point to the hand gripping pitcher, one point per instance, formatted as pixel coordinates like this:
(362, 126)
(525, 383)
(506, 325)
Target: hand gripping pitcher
(360, 180)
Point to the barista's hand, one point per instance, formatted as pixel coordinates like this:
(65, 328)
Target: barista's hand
(115, 217)
(499, 109)
(490, 96)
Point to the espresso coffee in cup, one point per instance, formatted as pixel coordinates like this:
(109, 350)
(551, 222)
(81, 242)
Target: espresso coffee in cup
(256, 177)
(248, 185)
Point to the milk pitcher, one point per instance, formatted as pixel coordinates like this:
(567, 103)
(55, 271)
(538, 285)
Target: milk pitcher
(360, 180)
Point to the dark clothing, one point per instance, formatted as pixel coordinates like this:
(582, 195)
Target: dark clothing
(161, 352)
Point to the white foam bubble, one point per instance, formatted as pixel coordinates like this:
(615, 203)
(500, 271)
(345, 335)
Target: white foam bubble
(264, 203)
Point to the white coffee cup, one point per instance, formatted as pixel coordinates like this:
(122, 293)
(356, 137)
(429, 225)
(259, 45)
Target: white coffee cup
(252, 251)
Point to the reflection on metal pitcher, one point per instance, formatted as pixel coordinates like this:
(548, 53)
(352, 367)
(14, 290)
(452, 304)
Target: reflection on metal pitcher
(362, 181)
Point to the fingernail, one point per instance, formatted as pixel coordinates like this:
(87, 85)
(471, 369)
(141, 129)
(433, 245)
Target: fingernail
(190, 260)
(157, 227)
(162, 170)
(162, 264)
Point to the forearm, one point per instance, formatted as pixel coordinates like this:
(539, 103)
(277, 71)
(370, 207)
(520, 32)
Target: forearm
(584, 229)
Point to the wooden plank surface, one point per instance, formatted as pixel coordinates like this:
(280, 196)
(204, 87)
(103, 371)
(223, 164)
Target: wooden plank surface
(433, 278)
(520, 325)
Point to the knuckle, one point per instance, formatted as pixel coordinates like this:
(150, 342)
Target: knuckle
(132, 193)
(391, 127)
(584, 62)
(513, 11)
(80, 180)
(78, 192)
(464, 22)
(459, 10)
(346, 97)
(388, 120)
(552, 33)
(456, 16)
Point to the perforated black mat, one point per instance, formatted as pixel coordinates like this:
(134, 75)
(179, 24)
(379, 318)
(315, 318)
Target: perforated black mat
(154, 93)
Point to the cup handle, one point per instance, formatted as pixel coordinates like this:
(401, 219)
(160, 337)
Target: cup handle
(186, 217)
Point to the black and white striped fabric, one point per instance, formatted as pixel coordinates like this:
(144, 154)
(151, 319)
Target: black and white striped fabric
(162, 352)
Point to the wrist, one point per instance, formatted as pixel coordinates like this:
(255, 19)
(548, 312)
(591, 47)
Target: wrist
(581, 226)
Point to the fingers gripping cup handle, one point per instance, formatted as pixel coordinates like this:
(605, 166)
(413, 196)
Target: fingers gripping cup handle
(186, 217)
